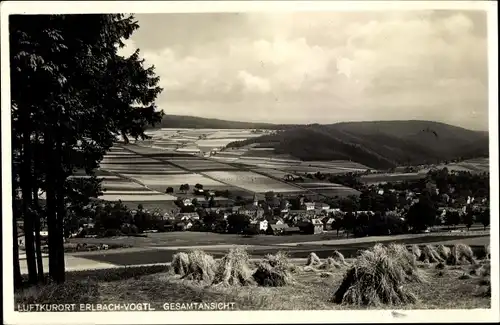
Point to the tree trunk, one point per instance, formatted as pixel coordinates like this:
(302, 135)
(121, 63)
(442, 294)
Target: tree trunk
(51, 204)
(26, 181)
(18, 280)
(38, 241)
(60, 211)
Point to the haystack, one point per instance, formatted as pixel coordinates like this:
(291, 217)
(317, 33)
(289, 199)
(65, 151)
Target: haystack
(330, 264)
(461, 254)
(281, 259)
(379, 276)
(338, 257)
(483, 270)
(313, 260)
(234, 269)
(180, 263)
(415, 250)
(444, 252)
(274, 271)
(430, 255)
(201, 266)
(487, 251)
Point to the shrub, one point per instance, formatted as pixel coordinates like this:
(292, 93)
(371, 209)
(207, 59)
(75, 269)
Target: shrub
(380, 276)
(180, 263)
(461, 254)
(201, 266)
(313, 260)
(234, 269)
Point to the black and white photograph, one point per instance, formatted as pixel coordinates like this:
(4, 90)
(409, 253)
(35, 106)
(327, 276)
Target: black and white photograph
(199, 162)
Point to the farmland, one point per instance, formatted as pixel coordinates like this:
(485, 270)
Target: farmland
(172, 157)
(142, 170)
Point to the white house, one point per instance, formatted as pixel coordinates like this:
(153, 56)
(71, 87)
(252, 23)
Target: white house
(308, 206)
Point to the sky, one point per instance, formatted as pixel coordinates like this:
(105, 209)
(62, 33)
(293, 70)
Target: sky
(320, 67)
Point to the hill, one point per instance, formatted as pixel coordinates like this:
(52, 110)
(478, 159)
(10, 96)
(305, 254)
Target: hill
(192, 122)
(377, 144)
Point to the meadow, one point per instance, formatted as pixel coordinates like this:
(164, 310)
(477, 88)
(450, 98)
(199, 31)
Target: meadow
(428, 277)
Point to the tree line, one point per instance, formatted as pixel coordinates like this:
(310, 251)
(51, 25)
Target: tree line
(72, 94)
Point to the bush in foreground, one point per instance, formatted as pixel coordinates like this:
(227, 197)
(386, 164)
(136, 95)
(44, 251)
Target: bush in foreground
(234, 269)
(380, 276)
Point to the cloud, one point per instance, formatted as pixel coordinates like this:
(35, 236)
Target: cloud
(321, 67)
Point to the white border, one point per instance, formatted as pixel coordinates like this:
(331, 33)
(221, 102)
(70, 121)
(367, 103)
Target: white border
(51, 7)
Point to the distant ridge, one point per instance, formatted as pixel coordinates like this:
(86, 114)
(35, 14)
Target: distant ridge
(193, 122)
(377, 144)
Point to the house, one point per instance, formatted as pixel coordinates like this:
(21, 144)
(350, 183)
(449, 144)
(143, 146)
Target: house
(259, 225)
(168, 216)
(251, 210)
(277, 228)
(308, 206)
(329, 224)
(313, 226)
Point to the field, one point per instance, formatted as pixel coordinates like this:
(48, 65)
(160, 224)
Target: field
(252, 181)
(143, 170)
(448, 287)
(394, 177)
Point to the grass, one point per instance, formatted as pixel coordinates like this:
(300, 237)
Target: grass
(309, 291)
(188, 238)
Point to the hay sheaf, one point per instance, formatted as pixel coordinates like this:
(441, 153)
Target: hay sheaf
(487, 251)
(281, 259)
(274, 271)
(313, 260)
(380, 275)
(339, 258)
(444, 252)
(180, 263)
(461, 254)
(330, 264)
(234, 269)
(201, 266)
(415, 250)
(430, 255)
